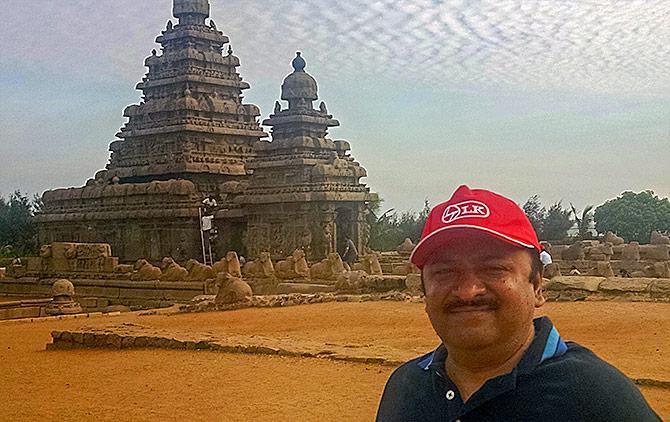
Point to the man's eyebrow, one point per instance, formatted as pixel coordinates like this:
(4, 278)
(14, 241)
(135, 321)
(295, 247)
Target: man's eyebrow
(491, 257)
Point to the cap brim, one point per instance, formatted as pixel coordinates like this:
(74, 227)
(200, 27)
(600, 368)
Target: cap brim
(432, 242)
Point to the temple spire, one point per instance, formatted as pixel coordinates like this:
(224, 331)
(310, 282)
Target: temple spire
(191, 12)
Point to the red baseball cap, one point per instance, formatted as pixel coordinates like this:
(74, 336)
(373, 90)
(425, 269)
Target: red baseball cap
(475, 209)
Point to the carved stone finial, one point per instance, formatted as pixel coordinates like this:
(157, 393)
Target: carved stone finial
(277, 107)
(153, 52)
(299, 88)
(322, 108)
(169, 26)
(298, 63)
(191, 12)
(212, 24)
(230, 50)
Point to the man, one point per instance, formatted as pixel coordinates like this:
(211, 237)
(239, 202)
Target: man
(545, 258)
(350, 254)
(482, 278)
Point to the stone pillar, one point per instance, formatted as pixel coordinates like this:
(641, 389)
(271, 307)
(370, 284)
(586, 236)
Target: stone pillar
(63, 302)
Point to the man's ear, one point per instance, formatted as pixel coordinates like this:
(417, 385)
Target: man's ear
(539, 291)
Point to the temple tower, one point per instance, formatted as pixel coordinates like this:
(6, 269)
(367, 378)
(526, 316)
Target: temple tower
(189, 138)
(191, 123)
(305, 191)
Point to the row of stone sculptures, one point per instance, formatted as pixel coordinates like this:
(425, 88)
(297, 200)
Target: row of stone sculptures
(294, 266)
(604, 269)
(594, 250)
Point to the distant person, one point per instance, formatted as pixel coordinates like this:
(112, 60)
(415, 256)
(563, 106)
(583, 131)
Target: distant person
(350, 254)
(482, 278)
(545, 258)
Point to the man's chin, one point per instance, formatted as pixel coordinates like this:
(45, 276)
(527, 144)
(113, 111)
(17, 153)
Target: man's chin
(474, 341)
(470, 330)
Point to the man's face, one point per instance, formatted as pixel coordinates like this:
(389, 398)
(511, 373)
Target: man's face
(478, 291)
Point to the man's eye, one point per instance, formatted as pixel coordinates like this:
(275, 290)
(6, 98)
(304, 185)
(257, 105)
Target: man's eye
(444, 272)
(495, 270)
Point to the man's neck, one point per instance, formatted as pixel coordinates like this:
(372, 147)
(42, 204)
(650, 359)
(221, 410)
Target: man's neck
(470, 370)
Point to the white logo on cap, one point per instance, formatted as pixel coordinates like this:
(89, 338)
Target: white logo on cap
(465, 209)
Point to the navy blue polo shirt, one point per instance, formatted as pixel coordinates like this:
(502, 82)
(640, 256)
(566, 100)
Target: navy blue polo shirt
(553, 381)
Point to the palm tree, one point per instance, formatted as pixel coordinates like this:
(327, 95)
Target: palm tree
(583, 222)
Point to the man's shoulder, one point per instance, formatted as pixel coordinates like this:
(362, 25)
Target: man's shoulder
(409, 394)
(596, 386)
(413, 369)
(581, 362)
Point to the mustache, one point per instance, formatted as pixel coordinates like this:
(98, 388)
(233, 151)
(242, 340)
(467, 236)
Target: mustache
(455, 304)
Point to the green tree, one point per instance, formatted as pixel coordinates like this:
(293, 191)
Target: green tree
(18, 232)
(633, 216)
(536, 213)
(390, 229)
(557, 222)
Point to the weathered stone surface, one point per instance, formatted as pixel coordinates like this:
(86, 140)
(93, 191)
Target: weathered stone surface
(370, 264)
(231, 290)
(20, 312)
(574, 252)
(413, 283)
(198, 271)
(144, 271)
(383, 283)
(350, 281)
(328, 269)
(613, 239)
(116, 308)
(604, 269)
(631, 252)
(171, 271)
(260, 268)
(600, 252)
(662, 269)
(406, 247)
(586, 283)
(228, 264)
(552, 270)
(304, 288)
(62, 299)
(293, 267)
(618, 284)
(659, 252)
(557, 251)
(657, 238)
(660, 288)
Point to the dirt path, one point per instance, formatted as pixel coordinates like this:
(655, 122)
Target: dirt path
(175, 385)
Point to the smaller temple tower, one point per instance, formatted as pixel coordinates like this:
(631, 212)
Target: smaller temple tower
(305, 191)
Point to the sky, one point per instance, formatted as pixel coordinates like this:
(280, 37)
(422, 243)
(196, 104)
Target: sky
(568, 100)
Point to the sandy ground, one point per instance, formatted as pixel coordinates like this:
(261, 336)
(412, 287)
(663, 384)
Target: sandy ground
(175, 385)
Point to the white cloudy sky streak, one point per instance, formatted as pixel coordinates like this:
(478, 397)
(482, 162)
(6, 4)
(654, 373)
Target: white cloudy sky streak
(567, 99)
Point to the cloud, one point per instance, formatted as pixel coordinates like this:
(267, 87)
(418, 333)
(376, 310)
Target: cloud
(443, 83)
(602, 46)
(606, 46)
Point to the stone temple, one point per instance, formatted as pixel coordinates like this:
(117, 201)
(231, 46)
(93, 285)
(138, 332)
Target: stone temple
(192, 138)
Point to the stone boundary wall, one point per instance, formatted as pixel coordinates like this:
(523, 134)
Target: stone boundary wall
(30, 308)
(206, 303)
(67, 340)
(96, 294)
(562, 288)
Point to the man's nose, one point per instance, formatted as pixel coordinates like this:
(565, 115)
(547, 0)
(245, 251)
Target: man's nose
(468, 287)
